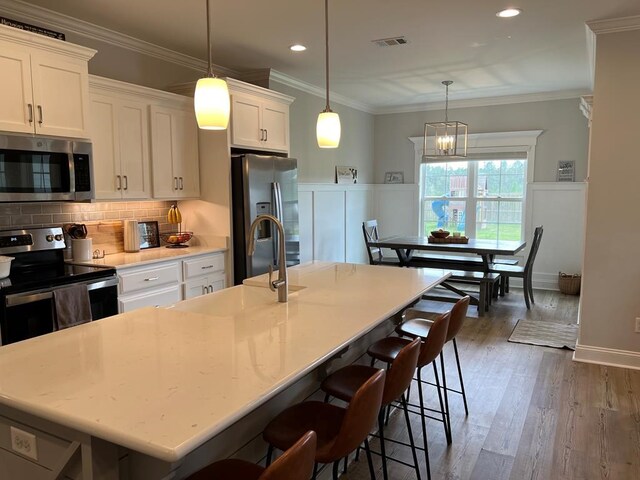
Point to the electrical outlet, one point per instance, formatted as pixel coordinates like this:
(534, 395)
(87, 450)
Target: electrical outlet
(637, 324)
(24, 443)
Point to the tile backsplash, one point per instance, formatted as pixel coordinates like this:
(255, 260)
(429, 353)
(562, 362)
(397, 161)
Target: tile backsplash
(21, 215)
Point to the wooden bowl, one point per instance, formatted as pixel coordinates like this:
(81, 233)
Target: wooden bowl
(439, 234)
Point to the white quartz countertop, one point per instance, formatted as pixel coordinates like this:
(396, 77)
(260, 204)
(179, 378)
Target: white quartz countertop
(164, 381)
(150, 255)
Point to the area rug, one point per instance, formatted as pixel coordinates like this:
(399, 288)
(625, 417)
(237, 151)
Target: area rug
(545, 334)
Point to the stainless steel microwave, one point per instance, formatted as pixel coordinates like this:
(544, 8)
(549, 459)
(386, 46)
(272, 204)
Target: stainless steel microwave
(37, 169)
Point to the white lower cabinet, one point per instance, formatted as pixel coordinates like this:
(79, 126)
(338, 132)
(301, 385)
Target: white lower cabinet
(164, 283)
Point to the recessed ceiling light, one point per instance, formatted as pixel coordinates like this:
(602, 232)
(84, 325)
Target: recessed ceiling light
(297, 48)
(509, 12)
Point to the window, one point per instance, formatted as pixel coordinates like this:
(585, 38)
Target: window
(478, 198)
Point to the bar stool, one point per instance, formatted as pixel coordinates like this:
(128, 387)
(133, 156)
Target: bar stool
(387, 350)
(340, 430)
(344, 382)
(294, 464)
(415, 326)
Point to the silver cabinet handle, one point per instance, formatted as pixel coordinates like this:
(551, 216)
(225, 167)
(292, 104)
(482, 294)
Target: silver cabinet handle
(126, 182)
(30, 107)
(205, 290)
(206, 267)
(151, 279)
(175, 183)
(41, 120)
(181, 183)
(118, 182)
(262, 134)
(266, 135)
(210, 288)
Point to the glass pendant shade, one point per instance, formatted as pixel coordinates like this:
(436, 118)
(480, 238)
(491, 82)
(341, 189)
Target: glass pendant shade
(211, 103)
(328, 130)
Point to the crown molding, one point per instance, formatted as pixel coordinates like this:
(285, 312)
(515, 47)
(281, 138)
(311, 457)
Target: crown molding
(613, 25)
(485, 102)
(52, 45)
(58, 21)
(285, 79)
(107, 85)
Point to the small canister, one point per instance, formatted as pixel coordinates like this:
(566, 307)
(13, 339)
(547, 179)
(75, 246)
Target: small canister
(131, 236)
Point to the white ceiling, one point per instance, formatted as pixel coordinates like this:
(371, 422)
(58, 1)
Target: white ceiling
(542, 50)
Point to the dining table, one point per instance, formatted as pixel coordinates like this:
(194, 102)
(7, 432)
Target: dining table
(405, 246)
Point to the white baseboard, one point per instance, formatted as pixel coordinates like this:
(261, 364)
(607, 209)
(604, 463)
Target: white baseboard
(607, 356)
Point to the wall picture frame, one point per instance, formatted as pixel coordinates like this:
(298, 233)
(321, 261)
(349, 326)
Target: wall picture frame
(566, 171)
(346, 174)
(149, 235)
(394, 177)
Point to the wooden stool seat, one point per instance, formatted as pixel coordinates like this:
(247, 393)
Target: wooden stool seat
(343, 383)
(415, 328)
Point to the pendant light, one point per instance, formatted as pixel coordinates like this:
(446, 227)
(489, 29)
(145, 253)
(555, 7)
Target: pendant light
(211, 99)
(445, 140)
(328, 126)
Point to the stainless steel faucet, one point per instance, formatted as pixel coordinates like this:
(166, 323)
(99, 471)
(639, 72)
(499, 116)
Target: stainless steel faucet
(282, 283)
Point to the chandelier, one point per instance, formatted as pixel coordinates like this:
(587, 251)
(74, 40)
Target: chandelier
(444, 140)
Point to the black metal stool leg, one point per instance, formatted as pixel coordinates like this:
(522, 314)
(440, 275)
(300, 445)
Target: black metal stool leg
(315, 471)
(464, 395)
(424, 423)
(336, 464)
(383, 454)
(446, 392)
(346, 460)
(403, 401)
(372, 473)
(444, 417)
(269, 454)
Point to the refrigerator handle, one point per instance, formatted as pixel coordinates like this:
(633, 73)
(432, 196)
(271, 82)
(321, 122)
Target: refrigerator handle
(276, 213)
(279, 216)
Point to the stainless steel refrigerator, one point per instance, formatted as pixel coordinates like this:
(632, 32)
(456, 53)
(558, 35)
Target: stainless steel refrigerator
(263, 184)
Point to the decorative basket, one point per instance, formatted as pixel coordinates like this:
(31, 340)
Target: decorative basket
(569, 284)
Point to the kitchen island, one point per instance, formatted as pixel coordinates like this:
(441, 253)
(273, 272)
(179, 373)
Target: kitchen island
(149, 394)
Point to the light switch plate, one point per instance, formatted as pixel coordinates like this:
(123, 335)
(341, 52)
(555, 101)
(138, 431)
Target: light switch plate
(24, 443)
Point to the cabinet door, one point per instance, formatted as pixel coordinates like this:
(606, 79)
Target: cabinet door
(16, 99)
(275, 122)
(106, 159)
(133, 133)
(246, 121)
(165, 181)
(185, 155)
(217, 282)
(196, 287)
(61, 95)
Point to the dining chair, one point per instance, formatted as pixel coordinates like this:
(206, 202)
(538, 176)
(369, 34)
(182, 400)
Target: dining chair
(294, 464)
(340, 430)
(376, 257)
(525, 272)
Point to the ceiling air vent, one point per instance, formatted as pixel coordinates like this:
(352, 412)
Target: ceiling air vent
(390, 42)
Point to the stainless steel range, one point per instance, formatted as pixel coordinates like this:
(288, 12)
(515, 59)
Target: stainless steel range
(26, 297)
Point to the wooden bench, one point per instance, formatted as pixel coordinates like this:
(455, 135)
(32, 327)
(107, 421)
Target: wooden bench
(488, 283)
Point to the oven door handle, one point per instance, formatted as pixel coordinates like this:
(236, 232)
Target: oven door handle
(15, 299)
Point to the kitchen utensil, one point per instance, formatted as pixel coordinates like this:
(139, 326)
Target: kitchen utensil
(77, 230)
(5, 266)
(176, 239)
(131, 236)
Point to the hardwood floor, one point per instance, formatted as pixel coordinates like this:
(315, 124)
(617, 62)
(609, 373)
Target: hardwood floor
(533, 412)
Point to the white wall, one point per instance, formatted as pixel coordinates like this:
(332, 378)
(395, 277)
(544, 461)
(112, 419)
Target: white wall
(564, 137)
(610, 299)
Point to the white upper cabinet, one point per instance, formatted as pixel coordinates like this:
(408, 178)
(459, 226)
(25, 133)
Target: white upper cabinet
(174, 149)
(44, 85)
(259, 117)
(120, 137)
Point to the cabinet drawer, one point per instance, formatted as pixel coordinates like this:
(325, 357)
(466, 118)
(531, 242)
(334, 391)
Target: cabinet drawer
(203, 266)
(149, 277)
(161, 297)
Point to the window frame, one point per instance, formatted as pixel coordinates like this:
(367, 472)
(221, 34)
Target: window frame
(485, 144)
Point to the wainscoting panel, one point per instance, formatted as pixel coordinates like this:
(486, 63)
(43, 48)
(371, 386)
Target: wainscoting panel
(305, 213)
(359, 207)
(329, 226)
